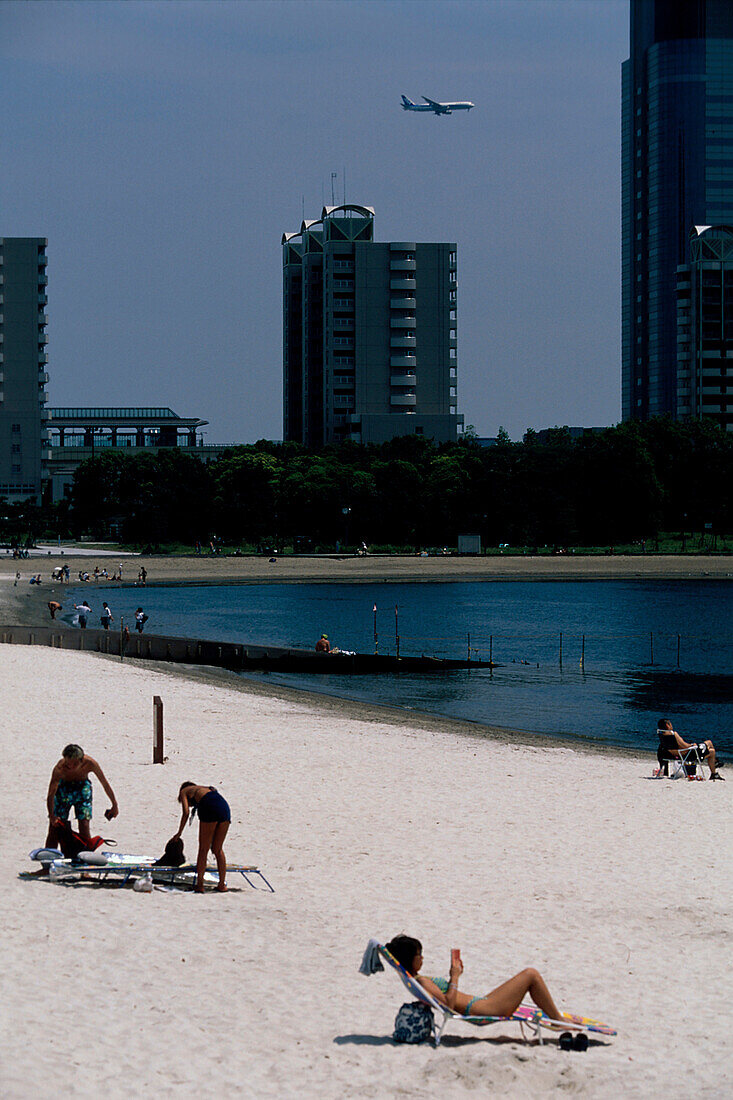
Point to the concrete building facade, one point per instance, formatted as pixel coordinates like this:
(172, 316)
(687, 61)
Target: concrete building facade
(369, 334)
(677, 172)
(705, 327)
(23, 376)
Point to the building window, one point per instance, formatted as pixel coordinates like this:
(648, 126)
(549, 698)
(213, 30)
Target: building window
(15, 448)
(16, 427)
(15, 469)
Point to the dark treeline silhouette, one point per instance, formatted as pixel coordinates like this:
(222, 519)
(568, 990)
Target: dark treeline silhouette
(622, 484)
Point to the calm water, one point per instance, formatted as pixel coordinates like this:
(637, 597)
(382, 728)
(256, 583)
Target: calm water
(616, 698)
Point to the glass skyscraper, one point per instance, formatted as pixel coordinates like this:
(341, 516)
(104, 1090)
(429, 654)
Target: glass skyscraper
(677, 172)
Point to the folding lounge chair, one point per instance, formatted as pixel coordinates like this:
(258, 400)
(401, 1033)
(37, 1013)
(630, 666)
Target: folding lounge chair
(526, 1015)
(120, 869)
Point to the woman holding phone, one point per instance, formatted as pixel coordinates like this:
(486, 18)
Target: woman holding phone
(502, 1001)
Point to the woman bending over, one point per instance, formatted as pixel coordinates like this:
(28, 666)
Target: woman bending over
(502, 1001)
(214, 819)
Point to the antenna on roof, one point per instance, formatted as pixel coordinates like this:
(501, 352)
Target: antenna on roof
(334, 175)
(344, 186)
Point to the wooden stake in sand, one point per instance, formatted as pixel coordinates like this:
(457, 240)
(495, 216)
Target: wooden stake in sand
(158, 757)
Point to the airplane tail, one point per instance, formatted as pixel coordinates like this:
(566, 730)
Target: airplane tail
(406, 103)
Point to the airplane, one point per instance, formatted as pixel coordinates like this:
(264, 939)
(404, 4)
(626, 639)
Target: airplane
(436, 108)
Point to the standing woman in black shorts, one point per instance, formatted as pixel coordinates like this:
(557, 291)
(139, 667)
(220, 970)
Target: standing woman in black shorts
(214, 819)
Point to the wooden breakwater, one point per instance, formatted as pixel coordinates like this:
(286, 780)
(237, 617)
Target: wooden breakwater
(234, 656)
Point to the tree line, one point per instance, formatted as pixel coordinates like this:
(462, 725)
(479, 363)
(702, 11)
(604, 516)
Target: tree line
(625, 483)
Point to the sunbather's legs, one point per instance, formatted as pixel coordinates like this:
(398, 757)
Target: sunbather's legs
(206, 837)
(507, 997)
(222, 828)
(710, 757)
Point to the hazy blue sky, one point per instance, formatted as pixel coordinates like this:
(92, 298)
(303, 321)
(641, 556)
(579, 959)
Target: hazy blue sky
(163, 148)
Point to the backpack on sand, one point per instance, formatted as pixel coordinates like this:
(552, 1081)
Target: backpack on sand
(414, 1023)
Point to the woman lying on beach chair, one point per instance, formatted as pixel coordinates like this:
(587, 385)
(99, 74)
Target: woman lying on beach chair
(674, 747)
(502, 1001)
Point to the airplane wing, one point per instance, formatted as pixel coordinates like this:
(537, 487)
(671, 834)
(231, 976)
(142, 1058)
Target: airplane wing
(439, 108)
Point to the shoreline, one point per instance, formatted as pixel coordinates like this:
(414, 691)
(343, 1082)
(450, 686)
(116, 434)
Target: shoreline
(382, 713)
(341, 569)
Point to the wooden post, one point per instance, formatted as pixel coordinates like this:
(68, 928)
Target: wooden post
(376, 636)
(491, 649)
(468, 642)
(157, 730)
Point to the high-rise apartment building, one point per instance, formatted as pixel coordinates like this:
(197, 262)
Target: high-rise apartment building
(369, 333)
(23, 361)
(677, 172)
(705, 326)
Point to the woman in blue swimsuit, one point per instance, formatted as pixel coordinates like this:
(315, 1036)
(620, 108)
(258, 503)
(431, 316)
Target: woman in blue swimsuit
(502, 1001)
(214, 820)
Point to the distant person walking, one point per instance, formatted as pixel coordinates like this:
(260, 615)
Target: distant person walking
(140, 620)
(106, 617)
(84, 611)
(17, 578)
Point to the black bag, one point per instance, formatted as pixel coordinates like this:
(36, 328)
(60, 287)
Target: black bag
(414, 1023)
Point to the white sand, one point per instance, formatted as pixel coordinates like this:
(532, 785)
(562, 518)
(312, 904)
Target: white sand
(571, 862)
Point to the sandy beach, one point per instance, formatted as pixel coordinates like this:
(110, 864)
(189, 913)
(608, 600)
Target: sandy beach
(380, 568)
(615, 886)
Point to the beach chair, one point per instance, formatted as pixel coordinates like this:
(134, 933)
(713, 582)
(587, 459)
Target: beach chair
(686, 761)
(119, 869)
(528, 1016)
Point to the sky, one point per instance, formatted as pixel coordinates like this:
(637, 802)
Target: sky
(164, 148)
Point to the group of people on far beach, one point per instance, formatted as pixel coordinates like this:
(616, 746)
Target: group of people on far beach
(71, 786)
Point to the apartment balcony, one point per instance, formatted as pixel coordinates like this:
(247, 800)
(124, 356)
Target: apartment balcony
(42, 319)
(43, 299)
(403, 380)
(43, 397)
(403, 400)
(402, 342)
(402, 284)
(403, 303)
(42, 357)
(343, 305)
(403, 265)
(402, 322)
(409, 361)
(402, 246)
(42, 377)
(43, 280)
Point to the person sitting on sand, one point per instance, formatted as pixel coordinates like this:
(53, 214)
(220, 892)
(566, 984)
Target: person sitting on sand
(323, 645)
(502, 1001)
(70, 786)
(670, 744)
(214, 820)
